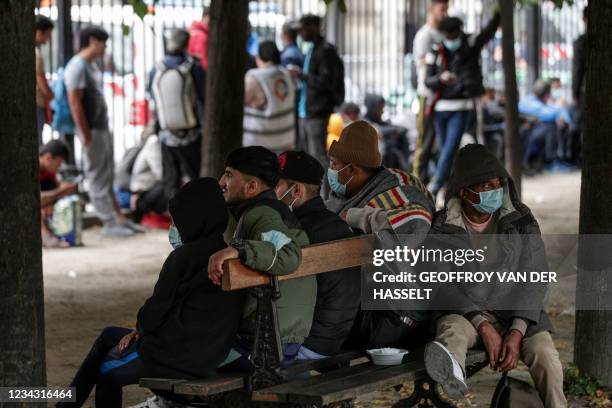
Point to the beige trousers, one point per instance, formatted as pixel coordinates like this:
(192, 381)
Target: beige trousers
(538, 352)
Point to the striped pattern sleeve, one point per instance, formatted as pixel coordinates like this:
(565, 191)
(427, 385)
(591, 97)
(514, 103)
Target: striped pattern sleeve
(400, 212)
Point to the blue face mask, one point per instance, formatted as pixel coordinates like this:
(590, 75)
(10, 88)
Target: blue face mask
(453, 45)
(490, 201)
(174, 237)
(334, 183)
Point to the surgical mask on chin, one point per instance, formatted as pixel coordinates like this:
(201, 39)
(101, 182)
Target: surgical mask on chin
(556, 94)
(174, 237)
(490, 201)
(334, 182)
(284, 195)
(453, 45)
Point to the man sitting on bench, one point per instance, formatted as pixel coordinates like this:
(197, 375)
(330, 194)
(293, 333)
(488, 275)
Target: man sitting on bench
(389, 202)
(338, 293)
(266, 237)
(483, 210)
(186, 327)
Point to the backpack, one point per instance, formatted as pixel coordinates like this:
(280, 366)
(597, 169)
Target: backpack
(511, 392)
(175, 96)
(123, 173)
(62, 117)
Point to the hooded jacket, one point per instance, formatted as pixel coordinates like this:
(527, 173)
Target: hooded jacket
(187, 326)
(519, 240)
(339, 292)
(256, 218)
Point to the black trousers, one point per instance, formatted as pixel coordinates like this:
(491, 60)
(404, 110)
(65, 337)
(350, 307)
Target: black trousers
(107, 370)
(179, 162)
(154, 200)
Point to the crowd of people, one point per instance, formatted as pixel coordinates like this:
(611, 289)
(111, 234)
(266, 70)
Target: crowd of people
(264, 209)
(312, 170)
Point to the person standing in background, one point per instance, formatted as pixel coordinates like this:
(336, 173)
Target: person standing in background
(43, 28)
(269, 103)
(291, 54)
(198, 38)
(177, 84)
(424, 40)
(322, 88)
(454, 73)
(90, 113)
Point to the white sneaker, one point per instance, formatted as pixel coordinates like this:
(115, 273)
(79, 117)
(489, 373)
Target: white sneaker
(116, 230)
(444, 369)
(134, 226)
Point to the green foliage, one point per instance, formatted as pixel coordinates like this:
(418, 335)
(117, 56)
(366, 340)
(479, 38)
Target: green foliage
(140, 8)
(341, 5)
(579, 384)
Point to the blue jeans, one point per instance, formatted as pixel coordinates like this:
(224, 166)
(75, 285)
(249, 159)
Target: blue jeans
(449, 126)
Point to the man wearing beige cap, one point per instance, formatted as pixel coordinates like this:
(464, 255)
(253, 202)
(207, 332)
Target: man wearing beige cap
(374, 199)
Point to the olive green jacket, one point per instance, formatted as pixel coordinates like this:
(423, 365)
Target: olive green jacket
(254, 220)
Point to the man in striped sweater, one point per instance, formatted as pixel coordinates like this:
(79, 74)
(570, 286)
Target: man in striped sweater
(390, 203)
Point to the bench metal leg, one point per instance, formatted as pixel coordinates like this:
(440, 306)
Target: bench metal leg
(425, 394)
(267, 352)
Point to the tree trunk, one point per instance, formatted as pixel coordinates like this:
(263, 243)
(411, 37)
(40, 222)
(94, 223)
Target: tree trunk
(594, 326)
(22, 338)
(227, 57)
(513, 142)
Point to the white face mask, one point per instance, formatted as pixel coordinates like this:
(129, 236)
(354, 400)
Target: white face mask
(287, 192)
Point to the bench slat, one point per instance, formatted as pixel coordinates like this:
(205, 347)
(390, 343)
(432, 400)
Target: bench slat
(309, 365)
(319, 258)
(210, 386)
(339, 385)
(161, 384)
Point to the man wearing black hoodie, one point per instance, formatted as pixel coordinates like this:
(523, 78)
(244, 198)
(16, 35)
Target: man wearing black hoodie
(482, 210)
(183, 313)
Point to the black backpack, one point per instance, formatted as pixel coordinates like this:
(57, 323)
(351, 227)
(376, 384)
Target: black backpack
(511, 393)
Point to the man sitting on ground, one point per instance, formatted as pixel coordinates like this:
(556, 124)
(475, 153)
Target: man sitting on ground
(375, 199)
(483, 210)
(338, 293)
(50, 159)
(266, 237)
(550, 129)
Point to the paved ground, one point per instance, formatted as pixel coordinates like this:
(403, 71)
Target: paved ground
(105, 282)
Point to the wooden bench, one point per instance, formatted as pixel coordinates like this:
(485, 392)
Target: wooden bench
(340, 379)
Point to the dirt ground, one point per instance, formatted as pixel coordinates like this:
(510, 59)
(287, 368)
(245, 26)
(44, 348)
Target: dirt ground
(105, 282)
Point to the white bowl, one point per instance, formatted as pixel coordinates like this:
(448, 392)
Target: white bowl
(387, 356)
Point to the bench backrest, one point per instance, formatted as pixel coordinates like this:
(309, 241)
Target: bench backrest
(319, 258)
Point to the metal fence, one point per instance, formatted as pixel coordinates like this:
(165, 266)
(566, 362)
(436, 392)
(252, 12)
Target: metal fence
(374, 38)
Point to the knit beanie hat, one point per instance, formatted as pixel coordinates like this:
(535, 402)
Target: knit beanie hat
(358, 144)
(256, 161)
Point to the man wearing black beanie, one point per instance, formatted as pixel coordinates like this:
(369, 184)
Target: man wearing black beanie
(339, 292)
(266, 237)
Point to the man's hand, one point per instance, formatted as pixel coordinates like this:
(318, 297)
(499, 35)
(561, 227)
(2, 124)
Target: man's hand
(510, 351)
(67, 188)
(492, 342)
(447, 77)
(126, 340)
(215, 263)
(343, 215)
